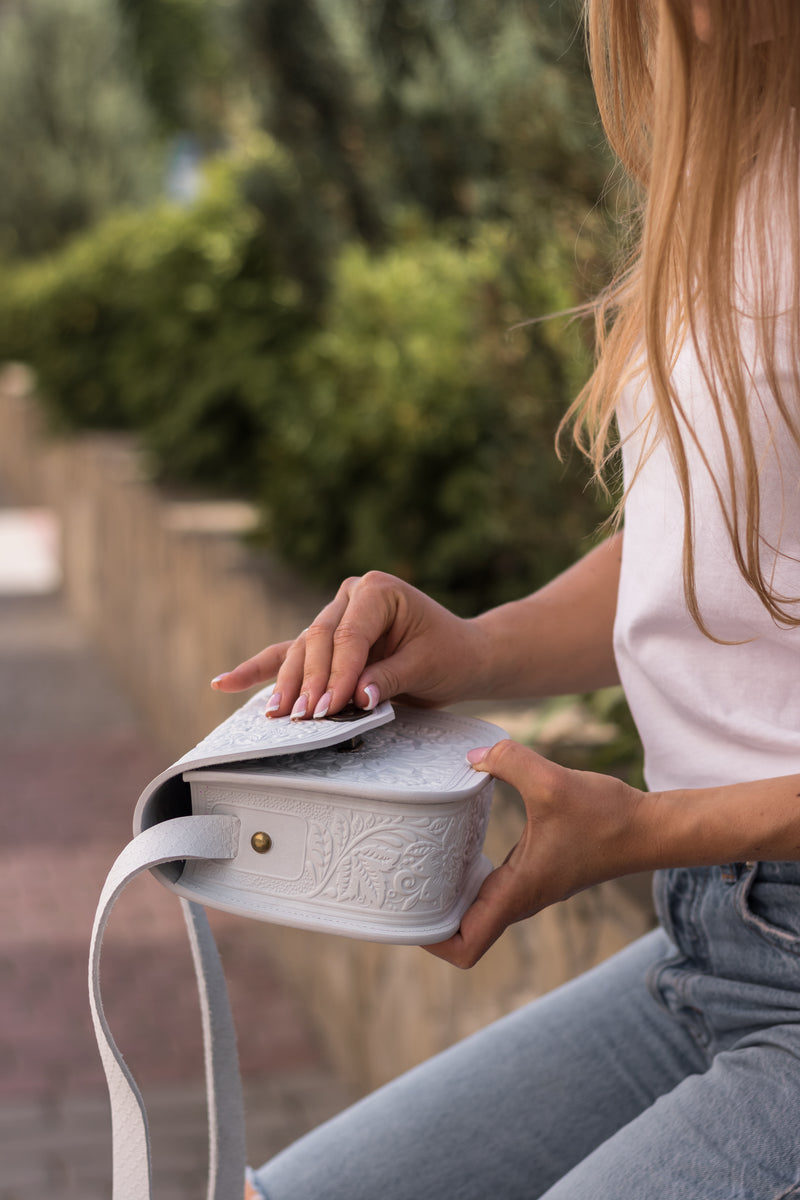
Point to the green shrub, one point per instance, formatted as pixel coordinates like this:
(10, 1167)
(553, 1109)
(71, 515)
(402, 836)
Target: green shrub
(173, 322)
(395, 424)
(421, 436)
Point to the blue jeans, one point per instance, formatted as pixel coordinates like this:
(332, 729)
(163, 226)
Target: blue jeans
(672, 1071)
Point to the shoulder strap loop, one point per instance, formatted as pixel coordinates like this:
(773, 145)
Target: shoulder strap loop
(214, 837)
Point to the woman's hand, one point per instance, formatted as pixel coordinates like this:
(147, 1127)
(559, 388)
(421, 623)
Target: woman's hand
(378, 638)
(581, 828)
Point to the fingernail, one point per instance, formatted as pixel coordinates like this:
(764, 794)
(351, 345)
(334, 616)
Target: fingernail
(476, 756)
(217, 678)
(274, 703)
(322, 706)
(300, 706)
(373, 696)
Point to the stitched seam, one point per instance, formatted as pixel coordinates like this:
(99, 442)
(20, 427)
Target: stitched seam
(773, 935)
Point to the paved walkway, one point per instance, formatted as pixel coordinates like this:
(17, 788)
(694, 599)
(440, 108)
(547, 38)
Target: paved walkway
(72, 762)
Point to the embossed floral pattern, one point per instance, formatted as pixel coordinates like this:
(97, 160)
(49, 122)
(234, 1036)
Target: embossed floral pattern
(248, 732)
(416, 753)
(395, 862)
(385, 841)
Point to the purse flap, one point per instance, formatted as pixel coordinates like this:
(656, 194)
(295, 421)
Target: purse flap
(247, 734)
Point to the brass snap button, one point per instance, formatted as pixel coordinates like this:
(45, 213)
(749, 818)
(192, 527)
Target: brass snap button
(261, 842)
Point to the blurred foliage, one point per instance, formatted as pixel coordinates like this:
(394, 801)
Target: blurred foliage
(590, 732)
(327, 329)
(308, 99)
(401, 426)
(467, 112)
(173, 321)
(75, 130)
(600, 735)
(421, 437)
(185, 54)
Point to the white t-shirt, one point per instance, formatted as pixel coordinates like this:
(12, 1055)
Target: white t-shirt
(708, 713)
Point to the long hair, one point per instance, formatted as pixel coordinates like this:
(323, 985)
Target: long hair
(700, 104)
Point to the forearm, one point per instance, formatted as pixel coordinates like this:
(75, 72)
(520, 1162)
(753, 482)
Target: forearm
(731, 823)
(559, 639)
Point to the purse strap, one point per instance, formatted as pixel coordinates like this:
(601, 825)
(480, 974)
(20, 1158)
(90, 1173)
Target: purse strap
(196, 837)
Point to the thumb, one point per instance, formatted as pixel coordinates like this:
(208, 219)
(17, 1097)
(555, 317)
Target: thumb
(509, 761)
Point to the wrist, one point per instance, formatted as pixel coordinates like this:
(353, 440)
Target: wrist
(504, 648)
(624, 837)
(481, 659)
(643, 838)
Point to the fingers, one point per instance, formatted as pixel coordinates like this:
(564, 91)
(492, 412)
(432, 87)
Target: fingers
(259, 669)
(327, 667)
(300, 688)
(324, 667)
(496, 906)
(369, 614)
(483, 922)
(321, 669)
(520, 887)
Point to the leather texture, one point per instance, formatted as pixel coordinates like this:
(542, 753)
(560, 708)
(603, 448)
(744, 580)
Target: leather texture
(206, 837)
(245, 736)
(416, 762)
(380, 842)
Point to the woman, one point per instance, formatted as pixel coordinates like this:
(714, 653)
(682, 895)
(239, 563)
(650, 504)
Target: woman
(673, 1069)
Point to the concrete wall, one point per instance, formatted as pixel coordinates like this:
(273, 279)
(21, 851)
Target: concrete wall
(171, 596)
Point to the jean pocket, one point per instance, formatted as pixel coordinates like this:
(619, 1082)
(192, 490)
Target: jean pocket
(769, 902)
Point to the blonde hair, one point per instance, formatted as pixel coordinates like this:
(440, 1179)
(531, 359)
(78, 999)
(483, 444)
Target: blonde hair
(697, 114)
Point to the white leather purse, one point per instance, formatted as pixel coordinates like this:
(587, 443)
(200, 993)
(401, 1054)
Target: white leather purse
(368, 825)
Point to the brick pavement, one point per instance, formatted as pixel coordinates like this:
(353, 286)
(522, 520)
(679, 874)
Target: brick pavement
(72, 762)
